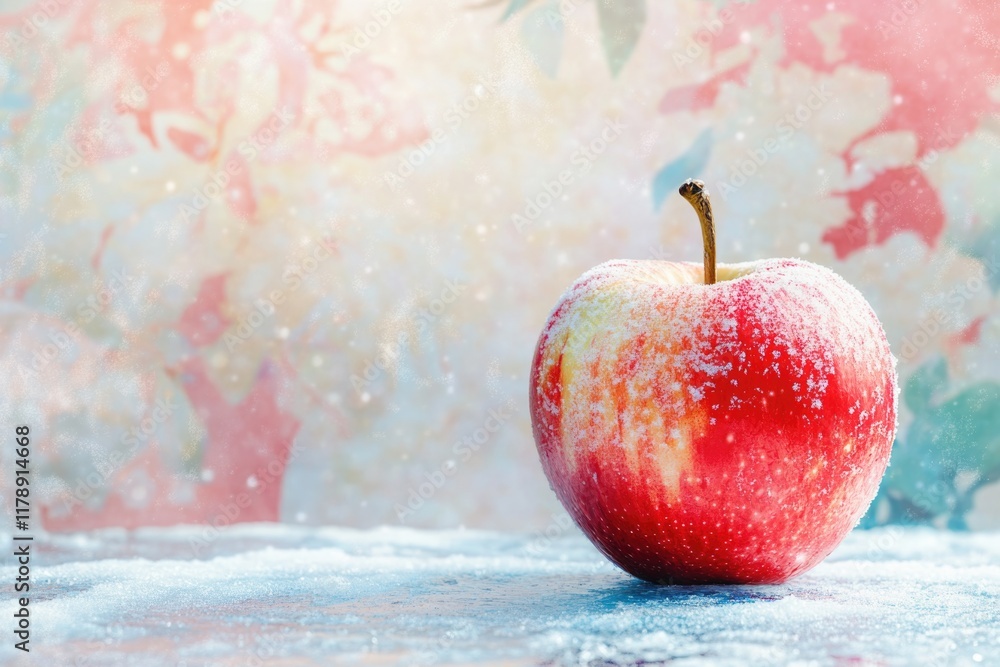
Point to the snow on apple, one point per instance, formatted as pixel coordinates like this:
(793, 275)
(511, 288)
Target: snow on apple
(703, 431)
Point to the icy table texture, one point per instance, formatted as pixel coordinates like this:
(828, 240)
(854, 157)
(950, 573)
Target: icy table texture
(276, 595)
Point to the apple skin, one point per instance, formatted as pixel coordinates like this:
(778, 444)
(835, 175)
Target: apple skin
(725, 433)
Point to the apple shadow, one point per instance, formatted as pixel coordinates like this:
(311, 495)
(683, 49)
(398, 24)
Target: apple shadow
(635, 592)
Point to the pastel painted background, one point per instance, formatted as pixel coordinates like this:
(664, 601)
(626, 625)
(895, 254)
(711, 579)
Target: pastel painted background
(289, 260)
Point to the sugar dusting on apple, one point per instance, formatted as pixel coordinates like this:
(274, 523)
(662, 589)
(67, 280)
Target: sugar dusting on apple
(713, 424)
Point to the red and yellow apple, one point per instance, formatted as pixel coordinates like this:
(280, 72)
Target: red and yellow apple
(713, 424)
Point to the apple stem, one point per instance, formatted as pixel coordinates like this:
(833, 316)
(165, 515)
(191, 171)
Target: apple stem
(696, 195)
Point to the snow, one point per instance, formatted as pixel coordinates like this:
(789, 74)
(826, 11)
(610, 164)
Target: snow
(288, 595)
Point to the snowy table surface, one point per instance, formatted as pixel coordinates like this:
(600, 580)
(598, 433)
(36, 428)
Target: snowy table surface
(279, 595)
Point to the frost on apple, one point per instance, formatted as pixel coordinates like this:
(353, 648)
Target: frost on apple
(699, 479)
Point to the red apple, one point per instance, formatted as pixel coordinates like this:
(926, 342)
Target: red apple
(717, 432)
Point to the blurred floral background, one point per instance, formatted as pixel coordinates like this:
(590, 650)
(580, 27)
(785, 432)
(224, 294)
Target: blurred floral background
(289, 260)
